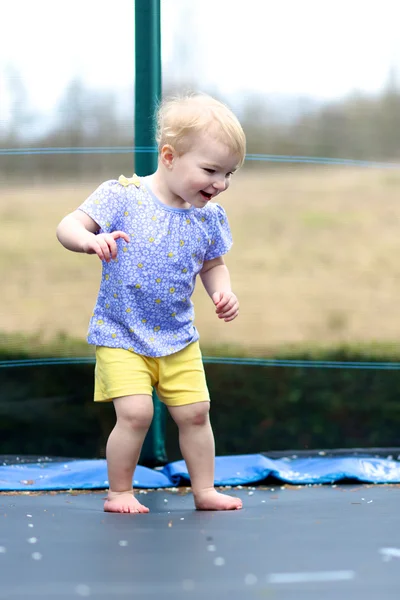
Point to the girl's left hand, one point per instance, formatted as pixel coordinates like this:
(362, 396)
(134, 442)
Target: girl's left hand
(227, 305)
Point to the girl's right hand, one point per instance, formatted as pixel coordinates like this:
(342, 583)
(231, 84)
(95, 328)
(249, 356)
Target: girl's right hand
(104, 244)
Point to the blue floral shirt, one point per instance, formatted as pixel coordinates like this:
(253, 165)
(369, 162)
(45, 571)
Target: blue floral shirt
(144, 302)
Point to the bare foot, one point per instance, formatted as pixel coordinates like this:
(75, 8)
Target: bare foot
(123, 502)
(213, 500)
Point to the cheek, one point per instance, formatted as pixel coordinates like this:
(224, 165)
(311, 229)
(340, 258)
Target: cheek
(198, 180)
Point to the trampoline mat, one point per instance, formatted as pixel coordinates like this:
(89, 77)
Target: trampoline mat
(288, 543)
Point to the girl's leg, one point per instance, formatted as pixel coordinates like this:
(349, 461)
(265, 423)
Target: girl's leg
(196, 441)
(134, 416)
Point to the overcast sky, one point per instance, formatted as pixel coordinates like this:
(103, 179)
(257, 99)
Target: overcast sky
(317, 48)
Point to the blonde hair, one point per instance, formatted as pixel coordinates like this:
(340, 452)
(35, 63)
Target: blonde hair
(179, 117)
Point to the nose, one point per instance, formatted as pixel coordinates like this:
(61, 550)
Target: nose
(220, 184)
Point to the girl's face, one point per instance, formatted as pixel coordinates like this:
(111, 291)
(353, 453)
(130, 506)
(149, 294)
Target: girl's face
(201, 173)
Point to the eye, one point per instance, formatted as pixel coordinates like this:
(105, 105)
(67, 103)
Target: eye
(211, 171)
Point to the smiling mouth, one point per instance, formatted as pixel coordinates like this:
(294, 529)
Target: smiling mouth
(206, 196)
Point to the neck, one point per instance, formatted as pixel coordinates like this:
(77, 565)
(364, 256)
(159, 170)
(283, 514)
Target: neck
(160, 187)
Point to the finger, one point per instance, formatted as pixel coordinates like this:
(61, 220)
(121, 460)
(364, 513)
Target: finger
(99, 252)
(216, 297)
(112, 248)
(95, 249)
(229, 305)
(104, 250)
(231, 318)
(120, 234)
(228, 313)
(224, 300)
(230, 308)
(232, 314)
(221, 310)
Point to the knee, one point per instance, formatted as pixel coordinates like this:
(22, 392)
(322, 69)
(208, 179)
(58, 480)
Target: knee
(136, 418)
(192, 415)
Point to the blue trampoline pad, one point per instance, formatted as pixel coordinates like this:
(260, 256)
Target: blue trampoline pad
(65, 474)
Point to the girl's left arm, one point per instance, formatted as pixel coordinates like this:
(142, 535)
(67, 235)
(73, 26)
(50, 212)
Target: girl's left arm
(217, 282)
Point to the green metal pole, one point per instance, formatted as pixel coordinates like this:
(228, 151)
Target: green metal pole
(147, 96)
(147, 80)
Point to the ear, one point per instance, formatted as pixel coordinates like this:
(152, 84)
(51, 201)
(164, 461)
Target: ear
(167, 155)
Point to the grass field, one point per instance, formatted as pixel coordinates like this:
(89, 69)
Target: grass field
(316, 259)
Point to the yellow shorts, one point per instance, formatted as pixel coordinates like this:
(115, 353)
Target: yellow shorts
(178, 378)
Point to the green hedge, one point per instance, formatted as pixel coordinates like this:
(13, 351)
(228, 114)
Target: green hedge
(259, 409)
(48, 410)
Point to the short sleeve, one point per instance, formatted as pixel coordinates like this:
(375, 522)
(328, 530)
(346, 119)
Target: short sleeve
(106, 205)
(221, 237)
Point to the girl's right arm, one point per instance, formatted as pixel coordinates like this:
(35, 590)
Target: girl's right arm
(77, 232)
